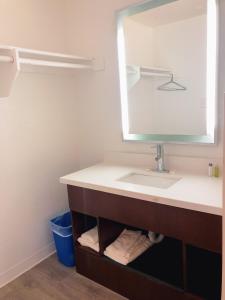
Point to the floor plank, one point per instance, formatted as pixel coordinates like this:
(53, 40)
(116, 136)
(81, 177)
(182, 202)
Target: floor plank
(50, 280)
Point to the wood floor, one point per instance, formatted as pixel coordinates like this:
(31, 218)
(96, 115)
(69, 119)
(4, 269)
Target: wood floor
(52, 281)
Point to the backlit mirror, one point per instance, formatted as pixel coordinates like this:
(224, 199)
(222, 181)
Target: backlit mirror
(168, 71)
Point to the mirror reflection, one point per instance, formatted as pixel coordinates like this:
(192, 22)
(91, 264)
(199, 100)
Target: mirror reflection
(170, 81)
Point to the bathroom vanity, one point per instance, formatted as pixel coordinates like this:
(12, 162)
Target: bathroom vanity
(164, 70)
(186, 265)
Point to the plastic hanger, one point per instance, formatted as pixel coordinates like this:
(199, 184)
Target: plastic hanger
(172, 86)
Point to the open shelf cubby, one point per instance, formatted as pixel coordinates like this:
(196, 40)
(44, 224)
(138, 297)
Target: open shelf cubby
(82, 223)
(162, 261)
(176, 267)
(204, 273)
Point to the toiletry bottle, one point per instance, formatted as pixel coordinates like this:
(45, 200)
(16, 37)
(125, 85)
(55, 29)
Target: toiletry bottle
(210, 170)
(216, 171)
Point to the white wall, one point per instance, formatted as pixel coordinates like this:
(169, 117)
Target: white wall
(139, 43)
(38, 138)
(180, 47)
(34, 24)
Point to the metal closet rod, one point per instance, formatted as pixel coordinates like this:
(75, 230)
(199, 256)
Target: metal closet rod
(57, 64)
(38, 62)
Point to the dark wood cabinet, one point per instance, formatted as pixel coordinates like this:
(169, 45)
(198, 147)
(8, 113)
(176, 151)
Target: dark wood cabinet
(186, 265)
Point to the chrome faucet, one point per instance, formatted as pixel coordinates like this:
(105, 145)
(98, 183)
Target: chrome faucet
(160, 159)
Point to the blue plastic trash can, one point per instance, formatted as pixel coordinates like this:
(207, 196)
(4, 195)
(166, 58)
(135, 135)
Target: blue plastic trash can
(62, 232)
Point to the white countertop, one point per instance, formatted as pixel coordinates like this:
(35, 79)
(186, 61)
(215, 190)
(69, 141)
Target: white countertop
(195, 192)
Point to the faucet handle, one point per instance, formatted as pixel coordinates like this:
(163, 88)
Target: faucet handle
(160, 158)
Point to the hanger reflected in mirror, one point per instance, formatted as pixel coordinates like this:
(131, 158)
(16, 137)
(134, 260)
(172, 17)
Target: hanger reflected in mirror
(172, 86)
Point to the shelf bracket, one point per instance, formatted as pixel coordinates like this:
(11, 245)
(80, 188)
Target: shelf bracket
(9, 69)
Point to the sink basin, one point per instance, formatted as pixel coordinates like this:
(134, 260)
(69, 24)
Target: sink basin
(154, 180)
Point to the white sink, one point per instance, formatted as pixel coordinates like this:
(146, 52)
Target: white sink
(154, 180)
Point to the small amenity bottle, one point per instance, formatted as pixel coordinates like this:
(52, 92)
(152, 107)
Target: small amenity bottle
(216, 172)
(210, 170)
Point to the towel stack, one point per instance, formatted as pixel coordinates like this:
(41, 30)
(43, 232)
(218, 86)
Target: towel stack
(128, 246)
(90, 239)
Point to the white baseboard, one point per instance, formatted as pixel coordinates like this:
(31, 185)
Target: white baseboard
(26, 264)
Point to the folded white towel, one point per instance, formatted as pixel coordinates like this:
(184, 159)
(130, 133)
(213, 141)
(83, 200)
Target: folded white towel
(91, 235)
(128, 246)
(90, 239)
(139, 250)
(125, 242)
(140, 244)
(93, 246)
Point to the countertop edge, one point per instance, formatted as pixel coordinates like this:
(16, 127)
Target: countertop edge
(146, 197)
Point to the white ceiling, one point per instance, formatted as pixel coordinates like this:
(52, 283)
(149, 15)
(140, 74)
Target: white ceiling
(172, 12)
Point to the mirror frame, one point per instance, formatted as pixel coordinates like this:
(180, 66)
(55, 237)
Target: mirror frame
(212, 74)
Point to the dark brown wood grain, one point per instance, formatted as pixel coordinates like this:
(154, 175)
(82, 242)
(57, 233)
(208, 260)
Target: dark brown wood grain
(196, 228)
(82, 223)
(108, 232)
(130, 284)
(185, 266)
(184, 261)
